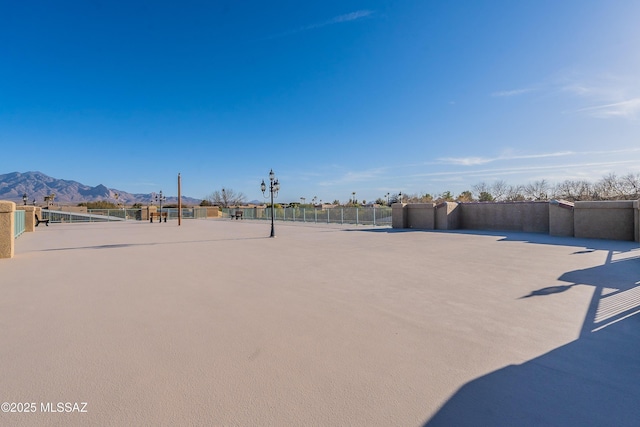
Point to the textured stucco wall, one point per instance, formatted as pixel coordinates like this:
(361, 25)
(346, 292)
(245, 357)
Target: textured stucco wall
(612, 220)
(636, 222)
(398, 215)
(146, 210)
(6, 228)
(421, 215)
(447, 216)
(561, 218)
(530, 217)
(213, 212)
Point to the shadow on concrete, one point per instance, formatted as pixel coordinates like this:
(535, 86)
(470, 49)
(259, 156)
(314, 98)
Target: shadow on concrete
(127, 245)
(589, 245)
(593, 381)
(590, 382)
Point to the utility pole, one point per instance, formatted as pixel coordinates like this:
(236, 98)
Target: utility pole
(179, 203)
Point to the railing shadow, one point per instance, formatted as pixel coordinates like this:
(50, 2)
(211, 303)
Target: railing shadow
(593, 381)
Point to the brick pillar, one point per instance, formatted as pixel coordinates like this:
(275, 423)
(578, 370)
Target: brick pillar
(7, 225)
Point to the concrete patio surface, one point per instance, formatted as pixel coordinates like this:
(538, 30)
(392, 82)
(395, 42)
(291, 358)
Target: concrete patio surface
(214, 324)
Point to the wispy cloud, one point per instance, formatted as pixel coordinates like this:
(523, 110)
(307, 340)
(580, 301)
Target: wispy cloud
(514, 92)
(464, 161)
(626, 109)
(357, 176)
(609, 96)
(348, 17)
(518, 170)
(474, 161)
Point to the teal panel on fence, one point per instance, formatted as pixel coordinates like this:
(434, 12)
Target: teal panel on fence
(18, 228)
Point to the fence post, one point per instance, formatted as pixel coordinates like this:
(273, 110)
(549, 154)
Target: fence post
(7, 219)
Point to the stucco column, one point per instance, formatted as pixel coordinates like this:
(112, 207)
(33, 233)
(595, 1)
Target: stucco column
(561, 218)
(6, 228)
(398, 215)
(29, 217)
(447, 216)
(636, 220)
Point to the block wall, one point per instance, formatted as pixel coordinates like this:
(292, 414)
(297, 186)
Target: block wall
(532, 217)
(614, 220)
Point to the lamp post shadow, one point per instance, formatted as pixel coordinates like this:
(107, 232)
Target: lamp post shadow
(592, 381)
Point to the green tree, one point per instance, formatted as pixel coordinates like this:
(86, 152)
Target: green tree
(445, 197)
(465, 196)
(485, 197)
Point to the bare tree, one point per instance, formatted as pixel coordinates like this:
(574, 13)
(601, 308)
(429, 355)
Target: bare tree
(482, 189)
(609, 188)
(227, 197)
(575, 190)
(515, 193)
(631, 185)
(537, 190)
(499, 190)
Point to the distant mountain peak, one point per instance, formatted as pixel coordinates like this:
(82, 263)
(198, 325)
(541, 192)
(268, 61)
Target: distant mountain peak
(36, 185)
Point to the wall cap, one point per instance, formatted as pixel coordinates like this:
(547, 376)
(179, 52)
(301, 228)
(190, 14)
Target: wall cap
(7, 206)
(605, 204)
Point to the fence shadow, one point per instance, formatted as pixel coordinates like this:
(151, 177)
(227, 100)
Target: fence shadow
(592, 381)
(589, 382)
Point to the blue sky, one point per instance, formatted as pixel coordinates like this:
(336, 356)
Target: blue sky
(336, 96)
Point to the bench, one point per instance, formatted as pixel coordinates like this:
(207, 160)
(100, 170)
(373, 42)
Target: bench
(158, 215)
(38, 221)
(236, 215)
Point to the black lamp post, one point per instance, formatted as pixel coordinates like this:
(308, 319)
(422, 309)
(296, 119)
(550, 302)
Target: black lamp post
(24, 198)
(160, 198)
(274, 186)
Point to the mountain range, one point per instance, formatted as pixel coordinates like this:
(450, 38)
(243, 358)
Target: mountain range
(37, 185)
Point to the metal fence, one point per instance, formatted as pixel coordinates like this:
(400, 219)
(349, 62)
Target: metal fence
(19, 223)
(108, 215)
(380, 216)
(92, 215)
